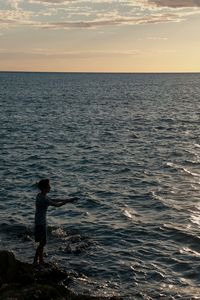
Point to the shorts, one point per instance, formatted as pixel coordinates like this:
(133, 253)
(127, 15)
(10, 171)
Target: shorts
(40, 233)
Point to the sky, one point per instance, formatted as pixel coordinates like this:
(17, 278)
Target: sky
(100, 35)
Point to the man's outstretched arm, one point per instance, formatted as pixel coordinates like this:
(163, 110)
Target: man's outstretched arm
(61, 202)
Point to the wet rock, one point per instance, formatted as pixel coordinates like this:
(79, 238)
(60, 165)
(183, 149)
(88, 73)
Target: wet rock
(49, 273)
(33, 292)
(75, 244)
(23, 281)
(13, 270)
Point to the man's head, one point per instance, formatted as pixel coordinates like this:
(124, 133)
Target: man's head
(44, 185)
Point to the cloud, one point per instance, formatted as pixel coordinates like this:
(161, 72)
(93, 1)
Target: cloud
(14, 4)
(22, 19)
(175, 3)
(49, 1)
(116, 21)
(56, 54)
(156, 38)
(68, 14)
(15, 18)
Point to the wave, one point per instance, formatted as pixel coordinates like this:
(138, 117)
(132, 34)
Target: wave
(69, 241)
(191, 152)
(190, 252)
(181, 168)
(180, 235)
(160, 203)
(197, 145)
(195, 163)
(130, 213)
(191, 173)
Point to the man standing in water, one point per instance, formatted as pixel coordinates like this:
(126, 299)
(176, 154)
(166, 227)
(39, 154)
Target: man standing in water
(42, 203)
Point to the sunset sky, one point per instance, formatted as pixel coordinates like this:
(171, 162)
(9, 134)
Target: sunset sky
(100, 35)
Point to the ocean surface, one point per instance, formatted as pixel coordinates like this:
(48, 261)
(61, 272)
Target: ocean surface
(128, 145)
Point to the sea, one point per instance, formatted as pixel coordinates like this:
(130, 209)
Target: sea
(128, 145)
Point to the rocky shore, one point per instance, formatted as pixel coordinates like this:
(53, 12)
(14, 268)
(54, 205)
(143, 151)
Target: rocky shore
(23, 281)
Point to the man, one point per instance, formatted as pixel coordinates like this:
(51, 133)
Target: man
(42, 204)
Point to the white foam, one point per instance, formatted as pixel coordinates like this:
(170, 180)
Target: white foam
(191, 173)
(181, 168)
(59, 232)
(189, 251)
(130, 213)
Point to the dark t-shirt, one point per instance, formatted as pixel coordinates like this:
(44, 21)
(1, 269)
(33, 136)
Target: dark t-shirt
(42, 203)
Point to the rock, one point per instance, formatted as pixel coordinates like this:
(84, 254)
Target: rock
(8, 266)
(23, 281)
(13, 270)
(49, 273)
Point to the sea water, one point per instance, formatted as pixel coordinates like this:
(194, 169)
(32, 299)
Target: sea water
(128, 145)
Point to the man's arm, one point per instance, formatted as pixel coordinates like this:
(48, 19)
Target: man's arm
(61, 202)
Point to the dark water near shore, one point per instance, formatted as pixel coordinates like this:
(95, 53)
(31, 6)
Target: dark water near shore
(129, 146)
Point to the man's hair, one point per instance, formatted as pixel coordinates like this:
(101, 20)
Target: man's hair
(43, 184)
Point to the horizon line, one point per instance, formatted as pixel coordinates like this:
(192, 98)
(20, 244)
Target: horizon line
(101, 72)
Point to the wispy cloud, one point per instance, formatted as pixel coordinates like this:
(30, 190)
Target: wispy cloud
(153, 19)
(57, 54)
(163, 3)
(67, 14)
(12, 16)
(175, 3)
(15, 18)
(156, 38)
(14, 4)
